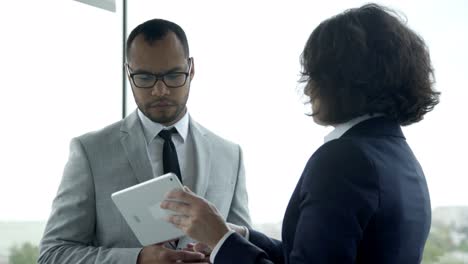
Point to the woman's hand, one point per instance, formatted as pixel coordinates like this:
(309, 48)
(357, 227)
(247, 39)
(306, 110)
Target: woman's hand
(197, 217)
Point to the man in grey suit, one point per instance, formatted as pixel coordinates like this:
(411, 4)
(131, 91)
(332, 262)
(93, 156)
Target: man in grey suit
(85, 226)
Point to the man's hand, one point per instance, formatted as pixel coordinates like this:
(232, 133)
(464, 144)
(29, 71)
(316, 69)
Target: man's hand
(200, 247)
(158, 254)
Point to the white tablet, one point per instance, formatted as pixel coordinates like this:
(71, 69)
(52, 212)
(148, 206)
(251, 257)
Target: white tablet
(140, 206)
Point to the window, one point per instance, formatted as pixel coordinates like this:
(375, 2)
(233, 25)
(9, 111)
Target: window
(61, 77)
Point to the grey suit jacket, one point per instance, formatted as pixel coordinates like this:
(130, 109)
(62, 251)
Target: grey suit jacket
(86, 227)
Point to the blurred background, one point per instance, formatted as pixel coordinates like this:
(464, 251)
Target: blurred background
(62, 76)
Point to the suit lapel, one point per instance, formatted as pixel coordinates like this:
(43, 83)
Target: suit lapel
(202, 153)
(134, 144)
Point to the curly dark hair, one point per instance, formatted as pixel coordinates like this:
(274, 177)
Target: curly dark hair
(365, 61)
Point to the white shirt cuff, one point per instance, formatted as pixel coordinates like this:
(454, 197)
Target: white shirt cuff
(247, 233)
(219, 245)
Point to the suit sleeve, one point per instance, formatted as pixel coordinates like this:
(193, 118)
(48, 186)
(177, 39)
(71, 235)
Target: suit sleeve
(337, 198)
(239, 210)
(259, 250)
(69, 236)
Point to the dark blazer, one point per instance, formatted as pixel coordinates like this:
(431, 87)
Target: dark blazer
(362, 198)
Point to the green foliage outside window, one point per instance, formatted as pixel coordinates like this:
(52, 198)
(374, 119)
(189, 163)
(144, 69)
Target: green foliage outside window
(27, 253)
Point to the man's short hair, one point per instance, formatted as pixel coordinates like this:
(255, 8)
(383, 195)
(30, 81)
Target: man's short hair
(156, 29)
(364, 61)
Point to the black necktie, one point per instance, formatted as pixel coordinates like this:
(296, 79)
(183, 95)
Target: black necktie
(170, 161)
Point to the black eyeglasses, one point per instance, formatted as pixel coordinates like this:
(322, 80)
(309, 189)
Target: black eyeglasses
(148, 80)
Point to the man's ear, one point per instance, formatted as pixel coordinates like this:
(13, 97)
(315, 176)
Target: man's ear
(192, 69)
(127, 72)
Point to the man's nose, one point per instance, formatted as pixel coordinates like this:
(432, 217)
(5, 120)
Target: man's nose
(159, 88)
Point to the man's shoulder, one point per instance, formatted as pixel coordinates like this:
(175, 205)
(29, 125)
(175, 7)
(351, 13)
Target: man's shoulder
(105, 134)
(212, 136)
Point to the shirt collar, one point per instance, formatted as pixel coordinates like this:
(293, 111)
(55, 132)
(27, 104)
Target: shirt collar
(151, 129)
(340, 129)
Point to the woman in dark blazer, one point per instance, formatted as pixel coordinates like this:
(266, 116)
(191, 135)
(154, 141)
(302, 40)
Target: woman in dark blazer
(362, 197)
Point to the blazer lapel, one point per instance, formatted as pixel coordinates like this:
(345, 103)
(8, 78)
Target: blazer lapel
(134, 144)
(202, 157)
(202, 147)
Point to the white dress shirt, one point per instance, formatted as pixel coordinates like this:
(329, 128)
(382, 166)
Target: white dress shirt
(183, 143)
(221, 242)
(339, 130)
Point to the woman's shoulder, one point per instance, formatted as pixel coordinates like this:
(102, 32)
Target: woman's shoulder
(340, 161)
(341, 150)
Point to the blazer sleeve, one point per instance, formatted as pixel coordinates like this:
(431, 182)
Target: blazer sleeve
(337, 197)
(239, 210)
(69, 236)
(259, 250)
